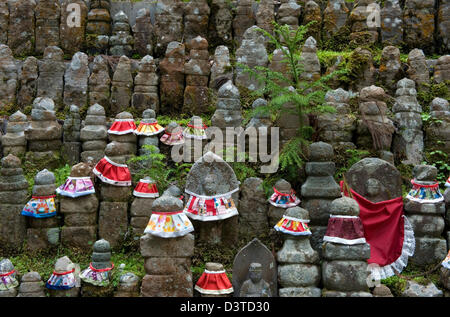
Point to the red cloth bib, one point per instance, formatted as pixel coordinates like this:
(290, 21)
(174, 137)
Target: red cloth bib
(384, 227)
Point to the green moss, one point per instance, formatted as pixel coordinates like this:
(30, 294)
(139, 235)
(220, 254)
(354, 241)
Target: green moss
(396, 285)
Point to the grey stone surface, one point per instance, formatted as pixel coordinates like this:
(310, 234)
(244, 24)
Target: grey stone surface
(252, 52)
(253, 208)
(76, 81)
(334, 251)
(345, 276)
(99, 82)
(408, 143)
(121, 86)
(414, 289)
(391, 22)
(8, 71)
(51, 75)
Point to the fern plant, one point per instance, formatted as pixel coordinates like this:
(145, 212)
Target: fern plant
(289, 92)
(156, 165)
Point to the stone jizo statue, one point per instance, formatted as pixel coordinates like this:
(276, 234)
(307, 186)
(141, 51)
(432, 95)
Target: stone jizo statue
(255, 286)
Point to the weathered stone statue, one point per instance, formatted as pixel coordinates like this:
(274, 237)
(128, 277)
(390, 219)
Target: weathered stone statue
(31, 285)
(213, 186)
(255, 271)
(425, 207)
(97, 276)
(345, 252)
(255, 286)
(298, 270)
(64, 282)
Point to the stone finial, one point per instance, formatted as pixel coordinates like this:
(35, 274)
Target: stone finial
(427, 173)
(297, 212)
(11, 161)
(63, 264)
(344, 206)
(321, 152)
(80, 170)
(101, 246)
(149, 114)
(173, 191)
(228, 90)
(44, 177)
(167, 203)
(96, 110)
(44, 103)
(283, 186)
(438, 104)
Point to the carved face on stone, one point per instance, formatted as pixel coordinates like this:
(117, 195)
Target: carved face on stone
(255, 272)
(210, 184)
(373, 187)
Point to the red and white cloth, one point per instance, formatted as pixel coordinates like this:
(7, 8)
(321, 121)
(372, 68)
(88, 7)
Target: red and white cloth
(195, 132)
(346, 230)
(62, 280)
(447, 184)
(146, 188)
(175, 137)
(424, 194)
(284, 200)
(148, 129)
(169, 224)
(211, 208)
(112, 173)
(293, 226)
(388, 232)
(122, 126)
(8, 279)
(214, 283)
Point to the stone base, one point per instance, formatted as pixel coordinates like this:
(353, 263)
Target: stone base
(167, 286)
(73, 292)
(79, 237)
(9, 293)
(126, 294)
(298, 275)
(88, 290)
(347, 276)
(326, 293)
(12, 226)
(429, 251)
(115, 193)
(113, 222)
(300, 292)
(335, 251)
(152, 246)
(38, 239)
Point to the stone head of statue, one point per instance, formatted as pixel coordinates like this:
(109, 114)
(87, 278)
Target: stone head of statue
(373, 187)
(255, 272)
(210, 184)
